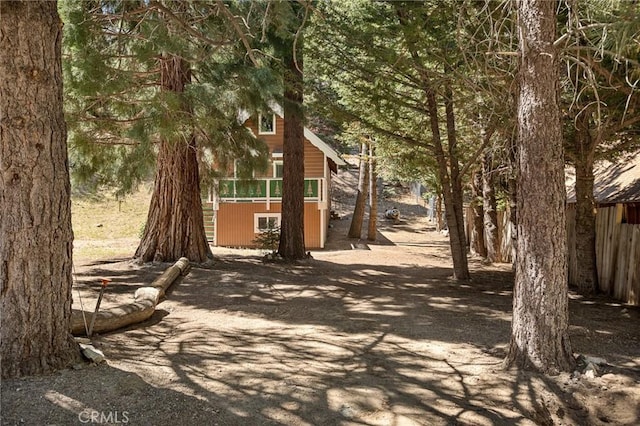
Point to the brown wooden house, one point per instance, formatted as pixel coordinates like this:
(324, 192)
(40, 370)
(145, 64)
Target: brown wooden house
(236, 211)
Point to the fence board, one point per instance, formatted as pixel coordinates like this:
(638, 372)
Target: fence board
(633, 275)
(617, 252)
(620, 276)
(571, 246)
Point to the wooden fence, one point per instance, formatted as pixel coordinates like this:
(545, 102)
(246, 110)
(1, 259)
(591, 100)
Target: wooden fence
(617, 251)
(504, 234)
(617, 254)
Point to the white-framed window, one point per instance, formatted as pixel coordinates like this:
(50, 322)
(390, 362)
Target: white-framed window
(264, 221)
(266, 124)
(277, 168)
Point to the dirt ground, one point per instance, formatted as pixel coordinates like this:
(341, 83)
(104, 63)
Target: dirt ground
(376, 335)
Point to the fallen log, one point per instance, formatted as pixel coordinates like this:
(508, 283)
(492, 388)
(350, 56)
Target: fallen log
(143, 306)
(180, 268)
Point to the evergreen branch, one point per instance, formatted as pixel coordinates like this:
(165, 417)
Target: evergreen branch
(110, 119)
(609, 76)
(624, 144)
(383, 131)
(616, 57)
(472, 159)
(307, 6)
(578, 30)
(239, 32)
(625, 124)
(190, 30)
(99, 13)
(107, 142)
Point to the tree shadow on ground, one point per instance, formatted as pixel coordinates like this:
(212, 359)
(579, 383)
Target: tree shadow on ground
(322, 342)
(367, 344)
(105, 395)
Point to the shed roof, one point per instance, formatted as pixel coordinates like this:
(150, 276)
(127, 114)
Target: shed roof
(614, 182)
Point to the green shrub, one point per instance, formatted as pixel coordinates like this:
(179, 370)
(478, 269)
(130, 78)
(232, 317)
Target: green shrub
(268, 239)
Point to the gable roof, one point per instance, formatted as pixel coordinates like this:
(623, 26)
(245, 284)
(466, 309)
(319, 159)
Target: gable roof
(311, 137)
(614, 182)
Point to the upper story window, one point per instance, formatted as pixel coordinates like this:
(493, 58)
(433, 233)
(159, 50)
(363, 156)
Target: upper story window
(267, 124)
(278, 168)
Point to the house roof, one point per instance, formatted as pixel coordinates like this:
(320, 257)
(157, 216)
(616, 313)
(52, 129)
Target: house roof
(614, 182)
(311, 137)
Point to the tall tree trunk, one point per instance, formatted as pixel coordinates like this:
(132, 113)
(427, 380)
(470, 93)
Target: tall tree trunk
(35, 209)
(458, 247)
(490, 210)
(539, 331)
(585, 241)
(373, 194)
(448, 167)
(476, 236)
(355, 229)
(175, 224)
(292, 245)
(455, 209)
(513, 199)
(440, 224)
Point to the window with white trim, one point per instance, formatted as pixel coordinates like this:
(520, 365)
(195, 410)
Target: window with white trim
(266, 124)
(278, 168)
(265, 221)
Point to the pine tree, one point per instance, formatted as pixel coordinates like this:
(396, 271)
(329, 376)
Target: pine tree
(539, 329)
(287, 38)
(600, 105)
(372, 229)
(392, 66)
(476, 237)
(162, 83)
(355, 229)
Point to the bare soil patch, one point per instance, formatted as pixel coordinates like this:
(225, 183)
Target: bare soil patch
(379, 335)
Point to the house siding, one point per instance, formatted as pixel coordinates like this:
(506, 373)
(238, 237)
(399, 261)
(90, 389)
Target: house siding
(273, 141)
(236, 223)
(312, 221)
(313, 161)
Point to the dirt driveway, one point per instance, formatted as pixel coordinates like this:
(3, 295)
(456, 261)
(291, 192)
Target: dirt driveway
(378, 335)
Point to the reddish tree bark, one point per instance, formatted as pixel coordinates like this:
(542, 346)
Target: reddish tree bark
(292, 246)
(175, 224)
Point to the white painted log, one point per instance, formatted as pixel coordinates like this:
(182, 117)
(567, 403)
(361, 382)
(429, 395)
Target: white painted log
(143, 306)
(91, 353)
(180, 268)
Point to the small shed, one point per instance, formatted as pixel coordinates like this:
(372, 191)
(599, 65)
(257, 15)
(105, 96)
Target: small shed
(617, 195)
